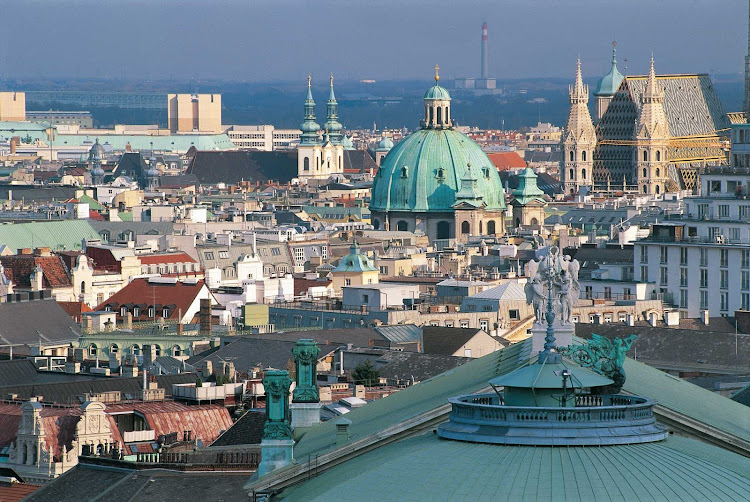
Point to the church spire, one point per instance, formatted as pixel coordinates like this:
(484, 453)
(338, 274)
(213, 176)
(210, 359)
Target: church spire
(579, 92)
(653, 93)
(332, 125)
(309, 127)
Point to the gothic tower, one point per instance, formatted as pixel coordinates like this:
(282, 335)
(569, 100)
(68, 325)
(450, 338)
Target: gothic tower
(579, 139)
(652, 139)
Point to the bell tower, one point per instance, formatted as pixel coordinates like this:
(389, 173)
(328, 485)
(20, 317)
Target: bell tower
(652, 139)
(579, 138)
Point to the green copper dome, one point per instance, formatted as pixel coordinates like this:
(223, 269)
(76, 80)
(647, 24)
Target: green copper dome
(423, 173)
(355, 261)
(385, 144)
(610, 82)
(437, 92)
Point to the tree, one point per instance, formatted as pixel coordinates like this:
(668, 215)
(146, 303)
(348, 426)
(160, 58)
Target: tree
(198, 382)
(365, 374)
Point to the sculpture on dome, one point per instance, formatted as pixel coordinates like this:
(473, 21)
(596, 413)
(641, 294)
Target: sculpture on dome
(603, 356)
(553, 278)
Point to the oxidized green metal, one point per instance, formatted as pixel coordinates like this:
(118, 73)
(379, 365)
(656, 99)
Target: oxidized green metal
(305, 358)
(604, 357)
(278, 416)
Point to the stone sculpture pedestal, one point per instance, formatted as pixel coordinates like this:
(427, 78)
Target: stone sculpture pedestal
(305, 414)
(275, 453)
(563, 335)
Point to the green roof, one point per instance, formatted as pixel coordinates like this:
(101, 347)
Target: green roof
(355, 262)
(527, 190)
(125, 216)
(547, 376)
(429, 468)
(610, 82)
(56, 235)
(423, 172)
(93, 203)
(175, 142)
(437, 92)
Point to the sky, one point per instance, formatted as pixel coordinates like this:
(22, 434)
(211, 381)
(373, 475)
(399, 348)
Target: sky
(273, 40)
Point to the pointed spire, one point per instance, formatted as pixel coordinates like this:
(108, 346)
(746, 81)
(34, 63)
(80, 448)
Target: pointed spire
(331, 95)
(333, 126)
(579, 92)
(652, 93)
(309, 127)
(309, 89)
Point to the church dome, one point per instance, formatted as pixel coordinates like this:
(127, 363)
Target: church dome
(423, 173)
(97, 152)
(385, 144)
(437, 92)
(355, 261)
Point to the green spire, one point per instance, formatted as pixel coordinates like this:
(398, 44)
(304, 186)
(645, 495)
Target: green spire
(309, 127)
(333, 126)
(610, 82)
(527, 190)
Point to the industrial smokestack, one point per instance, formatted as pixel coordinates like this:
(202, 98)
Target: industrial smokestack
(485, 57)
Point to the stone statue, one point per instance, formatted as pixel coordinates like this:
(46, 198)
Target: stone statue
(566, 303)
(604, 357)
(536, 296)
(553, 279)
(306, 359)
(531, 269)
(276, 384)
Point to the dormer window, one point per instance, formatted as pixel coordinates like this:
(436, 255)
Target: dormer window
(165, 313)
(441, 173)
(405, 172)
(486, 172)
(123, 311)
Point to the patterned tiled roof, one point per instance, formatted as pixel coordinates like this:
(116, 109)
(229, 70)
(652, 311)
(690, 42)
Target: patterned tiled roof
(18, 268)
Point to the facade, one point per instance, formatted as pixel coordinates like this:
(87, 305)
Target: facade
(263, 137)
(579, 139)
(12, 106)
(83, 119)
(354, 269)
(437, 181)
(319, 158)
(194, 113)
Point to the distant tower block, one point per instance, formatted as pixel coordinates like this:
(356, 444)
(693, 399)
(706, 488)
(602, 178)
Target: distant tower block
(485, 56)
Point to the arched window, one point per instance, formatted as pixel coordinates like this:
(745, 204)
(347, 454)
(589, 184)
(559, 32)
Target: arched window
(571, 156)
(426, 113)
(583, 155)
(465, 227)
(439, 115)
(404, 172)
(447, 118)
(658, 171)
(583, 174)
(176, 351)
(518, 222)
(402, 226)
(480, 227)
(93, 349)
(534, 222)
(431, 112)
(158, 349)
(658, 155)
(83, 287)
(645, 189)
(572, 175)
(645, 173)
(656, 189)
(645, 156)
(113, 349)
(136, 350)
(307, 163)
(491, 227)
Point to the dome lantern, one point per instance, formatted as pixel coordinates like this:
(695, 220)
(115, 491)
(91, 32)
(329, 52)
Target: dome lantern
(437, 106)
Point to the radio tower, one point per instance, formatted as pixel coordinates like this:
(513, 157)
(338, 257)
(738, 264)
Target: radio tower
(485, 57)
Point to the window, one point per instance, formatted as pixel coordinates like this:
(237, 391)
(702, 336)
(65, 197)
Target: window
(745, 301)
(583, 174)
(347, 282)
(663, 276)
(644, 254)
(465, 227)
(92, 349)
(663, 254)
(571, 159)
(208, 255)
(449, 324)
(276, 251)
(583, 155)
(704, 257)
(723, 211)
(307, 164)
(683, 277)
(165, 313)
(644, 274)
(724, 302)
(365, 298)
(724, 258)
(464, 323)
(704, 278)
(136, 311)
(223, 254)
(724, 279)
(588, 292)
(745, 212)
(658, 158)
(683, 256)
(514, 314)
(626, 294)
(123, 311)
(402, 226)
(745, 258)
(571, 172)
(683, 298)
(607, 293)
(734, 234)
(487, 308)
(471, 307)
(704, 299)
(714, 233)
(703, 211)
(151, 312)
(645, 159)
(484, 325)
(745, 280)
(383, 270)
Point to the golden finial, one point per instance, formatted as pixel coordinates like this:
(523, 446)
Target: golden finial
(437, 76)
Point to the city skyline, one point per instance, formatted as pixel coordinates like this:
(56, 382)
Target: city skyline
(134, 39)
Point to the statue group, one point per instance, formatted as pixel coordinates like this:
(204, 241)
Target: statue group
(554, 278)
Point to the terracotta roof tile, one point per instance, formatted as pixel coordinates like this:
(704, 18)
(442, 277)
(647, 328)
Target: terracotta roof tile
(156, 259)
(506, 160)
(177, 296)
(18, 268)
(75, 309)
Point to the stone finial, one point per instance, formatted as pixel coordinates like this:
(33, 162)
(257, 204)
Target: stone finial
(278, 417)
(305, 361)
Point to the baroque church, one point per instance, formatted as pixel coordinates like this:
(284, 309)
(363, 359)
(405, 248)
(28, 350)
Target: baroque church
(438, 181)
(320, 158)
(652, 133)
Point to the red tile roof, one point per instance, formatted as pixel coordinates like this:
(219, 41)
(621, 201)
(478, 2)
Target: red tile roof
(301, 285)
(95, 215)
(157, 259)
(142, 293)
(14, 492)
(18, 268)
(75, 309)
(506, 160)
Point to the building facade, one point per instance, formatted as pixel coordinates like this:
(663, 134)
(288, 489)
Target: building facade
(194, 113)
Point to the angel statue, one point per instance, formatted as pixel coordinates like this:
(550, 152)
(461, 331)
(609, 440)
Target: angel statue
(605, 357)
(534, 290)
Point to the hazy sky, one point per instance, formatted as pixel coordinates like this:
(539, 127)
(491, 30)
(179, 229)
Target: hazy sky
(261, 40)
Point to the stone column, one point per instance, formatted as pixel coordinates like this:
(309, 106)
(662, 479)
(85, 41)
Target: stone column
(277, 446)
(305, 399)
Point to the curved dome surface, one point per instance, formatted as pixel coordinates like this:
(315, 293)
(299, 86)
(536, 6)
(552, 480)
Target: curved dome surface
(423, 173)
(437, 92)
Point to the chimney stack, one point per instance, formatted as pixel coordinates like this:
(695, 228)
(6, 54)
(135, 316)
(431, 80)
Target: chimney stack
(485, 56)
